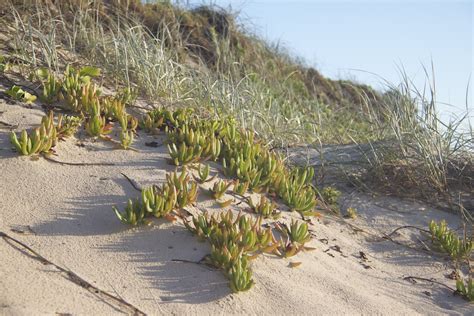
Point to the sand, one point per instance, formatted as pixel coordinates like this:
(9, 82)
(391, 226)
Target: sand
(65, 213)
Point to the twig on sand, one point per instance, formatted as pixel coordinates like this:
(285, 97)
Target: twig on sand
(408, 227)
(79, 163)
(412, 279)
(134, 184)
(106, 297)
(201, 262)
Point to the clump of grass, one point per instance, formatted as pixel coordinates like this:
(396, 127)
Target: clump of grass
(421, 155)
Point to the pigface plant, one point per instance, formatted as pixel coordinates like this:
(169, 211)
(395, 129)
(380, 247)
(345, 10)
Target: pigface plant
(134, 213)
(447, 241)
(159, 201)
(77, 88)
(240, 187)
(203, 174)
(41, 139)
(240, 276)
(19, 94)
(186, 189)
(295, 190)
(296, 236)
(67, 125)
(465, 289)
(219, 188)
(184, 154)
(51, 86)
(96, 125)
(265, 207)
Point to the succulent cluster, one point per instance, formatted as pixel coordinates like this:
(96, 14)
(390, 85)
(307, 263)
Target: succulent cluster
(466, 290)
(296, 235)
(80, 95)
(195, 140)
(96, 125)
(45, 137)
(233, 243)
(77, 90)
(19, 94)
(159, 201)
(295, 189)
(163, 119)
(219, 188)
(243, 157)
(4, 64)
(265, 207)
(240, 187)
(203, 174)
(459, 249)
(448, 241)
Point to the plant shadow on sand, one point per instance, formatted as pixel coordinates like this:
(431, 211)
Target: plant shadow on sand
(6, 149)
(156, 247)
(153, 249)
(89, 215)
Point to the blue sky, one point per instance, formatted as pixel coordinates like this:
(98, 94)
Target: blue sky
(374, 36)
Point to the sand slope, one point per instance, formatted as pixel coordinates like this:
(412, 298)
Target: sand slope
(64, 213)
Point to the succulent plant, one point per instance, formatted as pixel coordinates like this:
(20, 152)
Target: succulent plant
(240, 276)
(219, 188)
(240, 187)
(96, 124)
(51, 86)
(184, 154)
(77, 90)
(134, 213)
(19, 94)
(295, 190)
(203, 226)
(203, 174)
(298, 232)
(223, 257)
(114, 108)
(41, 139)
(296, 236)
(330, 195)
(466, 290)
(265, 207)
(186, 189)
(127, 95)
(351, 213)
(159, 201)
(447, 241)
(67, 125)
(126, 139)
(161, 119)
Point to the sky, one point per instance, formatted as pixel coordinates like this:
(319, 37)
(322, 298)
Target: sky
(370, 40)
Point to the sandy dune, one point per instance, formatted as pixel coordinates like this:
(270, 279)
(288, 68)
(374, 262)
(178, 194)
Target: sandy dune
(65, 213)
